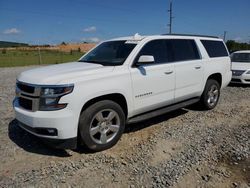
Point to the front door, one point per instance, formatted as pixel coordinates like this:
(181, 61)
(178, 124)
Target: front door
(154, 83)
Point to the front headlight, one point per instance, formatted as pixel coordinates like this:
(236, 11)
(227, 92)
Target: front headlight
(50, 96)
(248, 72)
(56, 91)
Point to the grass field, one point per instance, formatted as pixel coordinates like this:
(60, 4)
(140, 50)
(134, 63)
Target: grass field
(12, 58)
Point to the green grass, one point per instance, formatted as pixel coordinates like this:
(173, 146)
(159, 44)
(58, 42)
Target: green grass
(14, 58)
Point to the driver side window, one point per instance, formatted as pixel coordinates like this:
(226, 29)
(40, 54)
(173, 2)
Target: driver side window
(156, 48)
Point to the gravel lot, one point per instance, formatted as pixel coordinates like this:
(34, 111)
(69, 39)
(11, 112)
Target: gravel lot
(186, 148)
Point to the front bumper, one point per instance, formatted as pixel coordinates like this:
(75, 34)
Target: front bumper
(243, 79)
(69, 143)
(58, 128)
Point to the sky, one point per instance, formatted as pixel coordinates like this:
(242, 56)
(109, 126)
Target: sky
(54, 21)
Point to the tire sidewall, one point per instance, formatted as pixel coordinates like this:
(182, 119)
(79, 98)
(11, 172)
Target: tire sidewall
(86, 118)
(205, 96)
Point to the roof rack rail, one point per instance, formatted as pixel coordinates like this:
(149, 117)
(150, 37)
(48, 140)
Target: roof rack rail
(191, 35)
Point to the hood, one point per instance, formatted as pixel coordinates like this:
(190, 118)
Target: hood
(240, 66)
(61, 73)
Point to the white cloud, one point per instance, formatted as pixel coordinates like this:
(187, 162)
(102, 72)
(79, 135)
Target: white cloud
(11, 31)
(91, 29)
(91, 39)
(238, 39)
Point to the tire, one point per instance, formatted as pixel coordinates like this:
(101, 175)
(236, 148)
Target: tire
(210, 95)
(101, 125)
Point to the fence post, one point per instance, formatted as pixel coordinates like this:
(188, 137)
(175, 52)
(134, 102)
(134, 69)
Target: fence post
(40, 58)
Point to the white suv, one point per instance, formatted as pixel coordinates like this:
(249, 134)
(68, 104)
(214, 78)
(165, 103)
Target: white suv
(124, 80)
(241, 67)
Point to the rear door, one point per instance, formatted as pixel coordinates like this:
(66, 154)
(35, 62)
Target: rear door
(188, 67)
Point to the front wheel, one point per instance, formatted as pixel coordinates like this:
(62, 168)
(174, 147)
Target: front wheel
(211, 94)
(101, 125)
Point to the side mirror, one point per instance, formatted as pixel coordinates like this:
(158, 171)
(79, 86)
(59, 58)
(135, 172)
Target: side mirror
(146, 59)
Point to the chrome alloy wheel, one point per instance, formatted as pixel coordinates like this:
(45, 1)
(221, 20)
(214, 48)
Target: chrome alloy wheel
(213, 95)
(104, 126)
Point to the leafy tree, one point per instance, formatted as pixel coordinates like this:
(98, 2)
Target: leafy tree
(234, 46)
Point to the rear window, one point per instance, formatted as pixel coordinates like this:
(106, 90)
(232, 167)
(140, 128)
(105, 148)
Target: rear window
(215, 48)
(184, 49)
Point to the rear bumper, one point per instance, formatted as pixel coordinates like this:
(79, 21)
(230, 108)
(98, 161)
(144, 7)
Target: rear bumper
(69, 143)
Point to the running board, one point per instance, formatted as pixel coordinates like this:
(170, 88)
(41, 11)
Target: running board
(161, 111)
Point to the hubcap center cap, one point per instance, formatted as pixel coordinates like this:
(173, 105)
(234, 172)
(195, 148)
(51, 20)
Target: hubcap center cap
(103, 124)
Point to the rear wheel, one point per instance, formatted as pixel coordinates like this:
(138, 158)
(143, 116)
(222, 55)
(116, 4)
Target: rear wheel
(101, 125)
(211, 95)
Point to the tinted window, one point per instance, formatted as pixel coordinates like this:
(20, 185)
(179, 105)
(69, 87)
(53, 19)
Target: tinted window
(241, 57)
(158, 49)
(215, 48)
(109, 53)
(184, 50)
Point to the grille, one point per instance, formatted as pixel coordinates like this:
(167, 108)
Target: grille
(25, 103)
(238, 72)
(28, 96)
(25, 88)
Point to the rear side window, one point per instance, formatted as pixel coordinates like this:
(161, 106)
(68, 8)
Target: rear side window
(215, 48)
(184, 49)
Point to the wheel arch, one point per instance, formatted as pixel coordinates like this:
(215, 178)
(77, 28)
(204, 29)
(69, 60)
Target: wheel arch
(116, 97)
(217, 77)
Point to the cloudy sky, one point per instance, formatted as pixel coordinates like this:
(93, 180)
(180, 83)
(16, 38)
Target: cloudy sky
(51, 21)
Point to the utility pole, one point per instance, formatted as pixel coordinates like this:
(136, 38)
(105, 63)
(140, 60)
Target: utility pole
(170, 16)
(224, 36)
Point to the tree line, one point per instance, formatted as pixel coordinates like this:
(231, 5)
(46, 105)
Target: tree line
(235, 46)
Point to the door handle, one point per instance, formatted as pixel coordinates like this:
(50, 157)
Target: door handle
(168, 72)
(197, 67)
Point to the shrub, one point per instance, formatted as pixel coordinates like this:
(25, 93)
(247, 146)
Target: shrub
(4, 51)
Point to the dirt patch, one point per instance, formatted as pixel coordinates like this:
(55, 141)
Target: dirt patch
(164, 150)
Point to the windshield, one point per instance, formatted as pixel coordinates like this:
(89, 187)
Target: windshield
(241, 57)
(109, 53)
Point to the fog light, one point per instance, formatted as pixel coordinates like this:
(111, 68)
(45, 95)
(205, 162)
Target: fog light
(46, 131)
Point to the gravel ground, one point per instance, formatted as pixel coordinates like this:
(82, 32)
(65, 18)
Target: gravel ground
(185, 148)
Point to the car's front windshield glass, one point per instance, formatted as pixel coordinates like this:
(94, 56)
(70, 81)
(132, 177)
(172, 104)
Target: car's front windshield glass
(110, 53)
(241, 57)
